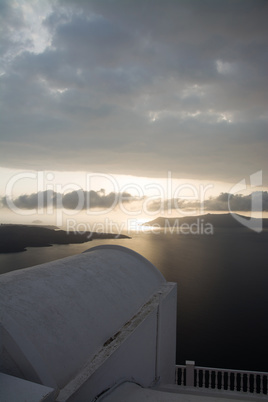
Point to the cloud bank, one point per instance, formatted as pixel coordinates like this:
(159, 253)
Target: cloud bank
(79, 200)
(223, 202)
(90, 200)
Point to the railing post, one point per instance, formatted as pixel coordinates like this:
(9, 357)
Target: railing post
(190, 365)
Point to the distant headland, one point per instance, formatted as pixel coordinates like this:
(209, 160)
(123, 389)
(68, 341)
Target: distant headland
(16, 238)
(216, 220)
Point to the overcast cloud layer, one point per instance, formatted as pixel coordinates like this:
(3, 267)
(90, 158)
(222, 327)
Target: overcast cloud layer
(135, 87)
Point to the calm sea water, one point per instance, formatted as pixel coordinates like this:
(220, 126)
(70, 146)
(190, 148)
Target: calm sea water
(222, 290)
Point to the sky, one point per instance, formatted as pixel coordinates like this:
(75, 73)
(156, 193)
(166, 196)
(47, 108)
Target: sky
(117, 98)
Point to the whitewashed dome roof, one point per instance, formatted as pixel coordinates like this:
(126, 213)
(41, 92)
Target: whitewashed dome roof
(56, 316)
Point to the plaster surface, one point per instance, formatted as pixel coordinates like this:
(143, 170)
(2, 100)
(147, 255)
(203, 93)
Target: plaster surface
(58, 315)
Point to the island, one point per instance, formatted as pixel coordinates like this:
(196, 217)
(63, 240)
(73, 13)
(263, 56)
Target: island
(16, 238)
(223, 220)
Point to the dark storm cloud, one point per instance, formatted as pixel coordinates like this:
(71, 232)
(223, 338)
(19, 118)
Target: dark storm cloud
(74, 200)
(139, 87)
(223, 202)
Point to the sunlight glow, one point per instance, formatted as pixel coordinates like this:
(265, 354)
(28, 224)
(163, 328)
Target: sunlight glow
(224, 117)
(153, 116)
(34, 13)
(193, 91)
(137, 225)
(224, 67)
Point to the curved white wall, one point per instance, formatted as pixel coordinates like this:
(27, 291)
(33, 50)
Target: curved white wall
(56, 316)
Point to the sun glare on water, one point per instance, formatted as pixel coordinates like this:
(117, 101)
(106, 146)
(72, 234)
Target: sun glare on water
(137, 225)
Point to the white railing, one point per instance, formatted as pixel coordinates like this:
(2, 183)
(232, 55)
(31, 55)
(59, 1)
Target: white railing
(254, 382)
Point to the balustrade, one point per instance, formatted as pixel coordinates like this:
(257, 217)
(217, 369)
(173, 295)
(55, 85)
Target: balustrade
(254, 382)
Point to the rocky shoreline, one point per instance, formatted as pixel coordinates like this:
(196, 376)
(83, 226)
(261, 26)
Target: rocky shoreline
(16, 238)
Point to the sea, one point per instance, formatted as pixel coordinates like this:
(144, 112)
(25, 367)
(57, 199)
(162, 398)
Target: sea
(222, 281)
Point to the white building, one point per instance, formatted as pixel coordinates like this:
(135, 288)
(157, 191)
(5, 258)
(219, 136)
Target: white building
(96, 326)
